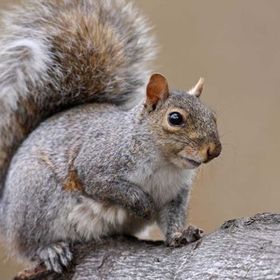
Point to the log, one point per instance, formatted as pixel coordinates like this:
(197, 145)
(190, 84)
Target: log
(246, 248)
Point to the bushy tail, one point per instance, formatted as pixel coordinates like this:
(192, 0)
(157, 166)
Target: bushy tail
(59, 53)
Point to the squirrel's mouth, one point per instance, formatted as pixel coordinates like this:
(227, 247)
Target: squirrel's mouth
(191, 162)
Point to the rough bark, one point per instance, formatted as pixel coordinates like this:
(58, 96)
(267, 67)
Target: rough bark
(247, 248)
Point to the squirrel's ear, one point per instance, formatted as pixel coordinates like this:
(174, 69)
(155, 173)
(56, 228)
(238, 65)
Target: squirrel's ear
(157, 90)
(198, 88)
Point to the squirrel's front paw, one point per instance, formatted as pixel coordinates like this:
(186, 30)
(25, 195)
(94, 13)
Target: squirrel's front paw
(184, 237)
(144, 207)
(55, 257)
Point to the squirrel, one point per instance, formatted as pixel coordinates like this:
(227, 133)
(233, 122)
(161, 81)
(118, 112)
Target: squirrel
(90, 144)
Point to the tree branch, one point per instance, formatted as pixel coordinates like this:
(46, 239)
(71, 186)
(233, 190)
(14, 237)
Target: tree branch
(247, 248)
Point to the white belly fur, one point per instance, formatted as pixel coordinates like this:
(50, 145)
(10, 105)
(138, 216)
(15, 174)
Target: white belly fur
(92, 220)
(163, 183)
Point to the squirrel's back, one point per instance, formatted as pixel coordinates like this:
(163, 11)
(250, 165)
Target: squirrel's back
(60, 53)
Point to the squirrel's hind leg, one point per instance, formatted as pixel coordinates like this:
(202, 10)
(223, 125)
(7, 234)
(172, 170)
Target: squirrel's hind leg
(55, 257)
(37, 211)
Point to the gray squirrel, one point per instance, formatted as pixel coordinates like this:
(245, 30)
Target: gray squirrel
(76, 161)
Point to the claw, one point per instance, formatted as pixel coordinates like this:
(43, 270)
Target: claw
(188, 235)
(56, 256)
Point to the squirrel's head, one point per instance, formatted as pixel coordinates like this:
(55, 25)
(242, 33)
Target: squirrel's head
(186, 129)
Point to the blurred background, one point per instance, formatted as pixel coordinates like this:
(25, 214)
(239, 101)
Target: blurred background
(235, 45)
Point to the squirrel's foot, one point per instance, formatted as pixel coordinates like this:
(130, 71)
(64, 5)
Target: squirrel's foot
(56, 256)
(184, 237)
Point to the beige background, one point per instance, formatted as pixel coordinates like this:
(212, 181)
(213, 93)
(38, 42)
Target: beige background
(235, 45)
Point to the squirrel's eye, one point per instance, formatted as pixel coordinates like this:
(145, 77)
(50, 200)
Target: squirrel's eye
(175, 118)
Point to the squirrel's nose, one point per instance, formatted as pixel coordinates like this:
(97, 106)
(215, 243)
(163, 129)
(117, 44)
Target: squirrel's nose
(212, 151)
